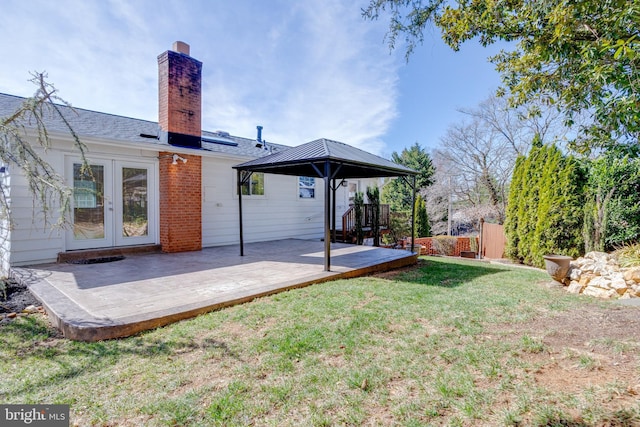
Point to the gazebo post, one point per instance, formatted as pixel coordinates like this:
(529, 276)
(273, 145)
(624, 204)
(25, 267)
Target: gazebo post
(333, 211)
(413, 215)
(327, 215)
(240, 210)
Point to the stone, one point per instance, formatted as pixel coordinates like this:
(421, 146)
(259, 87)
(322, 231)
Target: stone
(619, 285)
(600, 282)
(585, 279)
(632, 274)
(30, 309)
(575, 287)
(587, 266)
(575, 273)
(595, 255)
(599, 292)
(12, 315)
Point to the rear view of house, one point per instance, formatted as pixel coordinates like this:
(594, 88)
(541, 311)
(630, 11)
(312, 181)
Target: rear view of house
(167, 185)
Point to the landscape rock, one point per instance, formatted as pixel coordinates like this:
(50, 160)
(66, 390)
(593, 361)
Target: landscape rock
(575, 273)
(585, 279)
(575, 287)
(632, 274)
(599, 292)
(599, 274)
(600, 282)
(30, 309)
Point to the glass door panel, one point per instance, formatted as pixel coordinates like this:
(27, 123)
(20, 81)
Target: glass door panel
(91, 206)
(135, 206)
(88, 202)
(113, 204)
(135, 220)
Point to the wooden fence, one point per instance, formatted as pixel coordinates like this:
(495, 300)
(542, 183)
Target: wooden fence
(493, 241)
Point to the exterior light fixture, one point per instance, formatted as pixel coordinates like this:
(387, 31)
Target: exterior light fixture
(176, 157)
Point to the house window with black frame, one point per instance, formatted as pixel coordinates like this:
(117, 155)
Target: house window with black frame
(254, 186)
(306, 187)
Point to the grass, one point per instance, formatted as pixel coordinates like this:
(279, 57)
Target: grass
(436, 345)
(628, 255)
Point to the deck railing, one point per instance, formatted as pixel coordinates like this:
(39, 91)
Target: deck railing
(349, 219)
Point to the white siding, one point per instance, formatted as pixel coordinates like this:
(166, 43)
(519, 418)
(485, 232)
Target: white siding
(279, 214)
(32, 241)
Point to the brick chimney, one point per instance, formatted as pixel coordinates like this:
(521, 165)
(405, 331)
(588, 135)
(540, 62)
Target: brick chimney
(179, 96)
(180, 117)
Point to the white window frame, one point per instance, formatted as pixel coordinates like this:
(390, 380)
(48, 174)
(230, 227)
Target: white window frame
(311, 187)
(264, 186)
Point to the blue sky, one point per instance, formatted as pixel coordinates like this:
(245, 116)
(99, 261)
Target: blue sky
(302, 69)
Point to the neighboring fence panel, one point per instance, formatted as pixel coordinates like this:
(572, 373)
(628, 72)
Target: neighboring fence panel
(493, 241)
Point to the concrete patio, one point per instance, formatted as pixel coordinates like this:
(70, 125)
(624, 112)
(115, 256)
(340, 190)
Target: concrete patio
(91, 302)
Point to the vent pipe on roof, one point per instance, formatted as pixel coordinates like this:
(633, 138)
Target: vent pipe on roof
(259, 133)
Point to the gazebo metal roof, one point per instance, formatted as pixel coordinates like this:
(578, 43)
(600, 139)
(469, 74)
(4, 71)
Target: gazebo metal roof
(305, 159)
(326, 159)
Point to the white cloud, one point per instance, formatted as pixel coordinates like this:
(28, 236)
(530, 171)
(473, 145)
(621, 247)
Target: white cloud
(303, 70)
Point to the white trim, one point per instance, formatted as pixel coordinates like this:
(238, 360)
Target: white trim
(113, 201)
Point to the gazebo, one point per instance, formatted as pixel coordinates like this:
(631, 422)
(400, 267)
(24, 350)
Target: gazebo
(332, 161)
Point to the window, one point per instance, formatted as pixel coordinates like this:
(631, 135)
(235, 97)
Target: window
(255, 185)
(306, 187)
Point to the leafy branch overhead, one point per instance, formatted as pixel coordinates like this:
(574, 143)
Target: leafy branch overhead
(17, 150)
(581, 55)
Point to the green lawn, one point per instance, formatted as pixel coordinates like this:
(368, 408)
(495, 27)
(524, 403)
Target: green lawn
(451, 342)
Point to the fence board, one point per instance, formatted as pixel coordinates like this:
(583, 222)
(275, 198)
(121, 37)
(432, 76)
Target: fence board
(493, 241)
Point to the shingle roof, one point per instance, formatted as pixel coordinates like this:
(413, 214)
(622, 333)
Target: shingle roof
(87, 123)
(306, 159)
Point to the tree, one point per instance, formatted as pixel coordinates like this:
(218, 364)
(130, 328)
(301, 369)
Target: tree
(398, 193)
(373, 195)
(423, 229)
(478, 154)
(612, 208)
(48, 188)
(581, 55)
(358, 207)
(545, 211)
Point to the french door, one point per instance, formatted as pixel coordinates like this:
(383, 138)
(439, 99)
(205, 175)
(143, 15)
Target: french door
(113, 203)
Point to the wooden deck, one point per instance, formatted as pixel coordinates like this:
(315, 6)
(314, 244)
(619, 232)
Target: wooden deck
(92, 302)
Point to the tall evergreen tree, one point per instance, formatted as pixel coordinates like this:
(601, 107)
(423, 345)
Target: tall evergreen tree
(423, 228)
(398, 193)
(373, 194)
(545, 212)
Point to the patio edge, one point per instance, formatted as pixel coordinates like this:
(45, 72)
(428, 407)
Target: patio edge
(78, 325)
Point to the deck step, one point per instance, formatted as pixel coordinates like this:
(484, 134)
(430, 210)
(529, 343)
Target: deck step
(87, 254)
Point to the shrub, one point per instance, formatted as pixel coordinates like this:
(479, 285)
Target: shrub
(473, 244)
(358, 207)
(399, 227)
(444, 245)
(373, 194)
(629, 255)
(612, 208)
